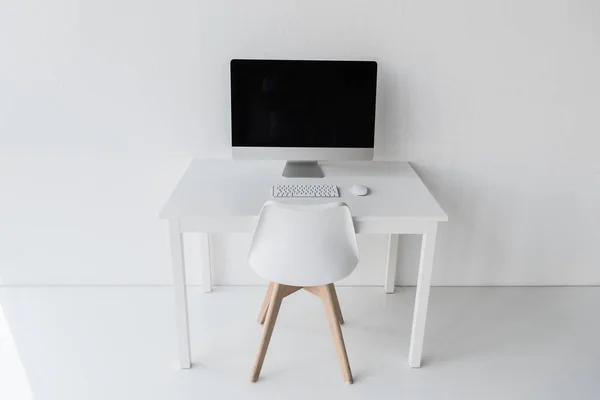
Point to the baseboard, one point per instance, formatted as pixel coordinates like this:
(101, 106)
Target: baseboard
(342, 286)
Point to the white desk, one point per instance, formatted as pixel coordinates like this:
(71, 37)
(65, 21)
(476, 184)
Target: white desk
(226, 196)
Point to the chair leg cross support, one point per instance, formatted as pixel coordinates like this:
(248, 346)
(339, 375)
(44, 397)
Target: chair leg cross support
(270, 309)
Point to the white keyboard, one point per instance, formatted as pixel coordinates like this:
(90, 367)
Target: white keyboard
(305, 191)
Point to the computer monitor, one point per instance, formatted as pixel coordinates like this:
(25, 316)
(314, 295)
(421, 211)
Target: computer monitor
(303, 112)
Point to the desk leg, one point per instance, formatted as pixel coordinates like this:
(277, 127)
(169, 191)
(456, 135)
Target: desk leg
(181, 312)
(392, 262)
(422, 296)
(206, 265)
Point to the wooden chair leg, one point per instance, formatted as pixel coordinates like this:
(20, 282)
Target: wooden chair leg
(336, 331)
(277, 295)
(336, 303)
(265, 305)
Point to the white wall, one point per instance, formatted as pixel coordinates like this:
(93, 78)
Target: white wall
(102, 104)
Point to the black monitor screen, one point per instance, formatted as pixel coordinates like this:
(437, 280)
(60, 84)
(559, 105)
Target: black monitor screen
(278, 103)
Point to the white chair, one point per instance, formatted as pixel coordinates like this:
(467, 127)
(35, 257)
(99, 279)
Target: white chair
(303, 247)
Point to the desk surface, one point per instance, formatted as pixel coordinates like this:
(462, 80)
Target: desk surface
(231, 188)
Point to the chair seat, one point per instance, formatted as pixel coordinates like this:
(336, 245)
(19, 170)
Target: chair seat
(304, 245)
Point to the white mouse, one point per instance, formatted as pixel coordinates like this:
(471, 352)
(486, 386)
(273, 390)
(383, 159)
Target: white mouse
(359, 190)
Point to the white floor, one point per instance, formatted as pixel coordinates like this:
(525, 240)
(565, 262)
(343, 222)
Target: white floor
(119, 343)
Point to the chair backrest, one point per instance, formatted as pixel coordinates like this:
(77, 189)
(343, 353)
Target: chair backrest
(304, 245)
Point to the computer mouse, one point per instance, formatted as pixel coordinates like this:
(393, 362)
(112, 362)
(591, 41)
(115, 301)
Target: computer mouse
(359, 190)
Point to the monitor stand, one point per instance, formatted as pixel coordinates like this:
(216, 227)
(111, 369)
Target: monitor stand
(302, 169)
